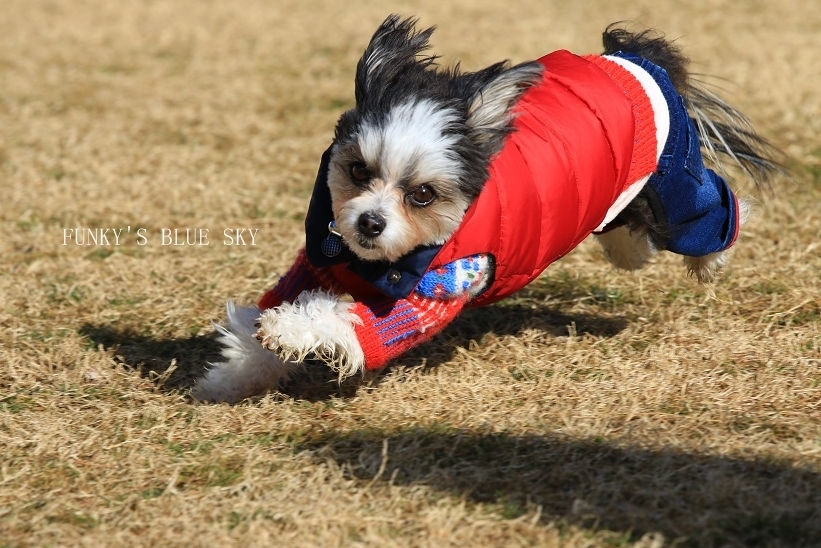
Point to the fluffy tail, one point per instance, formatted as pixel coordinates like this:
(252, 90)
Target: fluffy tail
(247, 368)
(723, 129)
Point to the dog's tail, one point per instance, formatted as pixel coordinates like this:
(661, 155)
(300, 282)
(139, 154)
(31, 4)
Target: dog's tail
(723, 129)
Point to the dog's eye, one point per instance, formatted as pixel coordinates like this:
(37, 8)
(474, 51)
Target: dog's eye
(422, 196)
(359, 172)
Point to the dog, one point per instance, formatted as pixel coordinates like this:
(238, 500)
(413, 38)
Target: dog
(445, 189)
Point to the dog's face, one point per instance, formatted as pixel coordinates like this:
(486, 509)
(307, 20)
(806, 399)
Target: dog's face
(413, 154)
(395, 184)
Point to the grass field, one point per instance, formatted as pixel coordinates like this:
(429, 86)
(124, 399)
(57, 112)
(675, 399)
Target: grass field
(594, 408)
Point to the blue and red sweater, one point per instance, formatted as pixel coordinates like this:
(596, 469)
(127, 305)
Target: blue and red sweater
(593, 133)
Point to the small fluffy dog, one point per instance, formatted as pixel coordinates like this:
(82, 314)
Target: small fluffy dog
(445, 189)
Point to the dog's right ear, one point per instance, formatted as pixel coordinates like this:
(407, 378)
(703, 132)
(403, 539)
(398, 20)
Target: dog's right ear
(490, 95)
(395, 45)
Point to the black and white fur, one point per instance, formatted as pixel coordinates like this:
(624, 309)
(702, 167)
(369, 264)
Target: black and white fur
(410, 158)
(416, 130)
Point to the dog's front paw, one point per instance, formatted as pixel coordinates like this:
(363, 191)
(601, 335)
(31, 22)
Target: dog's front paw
(266, 329)
(287, 332)
(318, 324)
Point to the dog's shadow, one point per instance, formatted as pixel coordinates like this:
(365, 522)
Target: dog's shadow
(173, 363)
(153, 357)
(511, 319)
(692, 499)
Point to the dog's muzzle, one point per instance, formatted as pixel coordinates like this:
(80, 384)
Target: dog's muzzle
(370, 225)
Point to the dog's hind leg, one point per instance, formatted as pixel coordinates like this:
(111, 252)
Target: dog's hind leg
(625, 248)
(707, 267)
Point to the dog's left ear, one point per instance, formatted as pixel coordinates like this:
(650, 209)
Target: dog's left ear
(491, 94)
(395, 47)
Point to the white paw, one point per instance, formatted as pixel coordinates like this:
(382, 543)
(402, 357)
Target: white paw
(707, 269)
(317, 324)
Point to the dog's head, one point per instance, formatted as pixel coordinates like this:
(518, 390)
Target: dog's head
(413, 154)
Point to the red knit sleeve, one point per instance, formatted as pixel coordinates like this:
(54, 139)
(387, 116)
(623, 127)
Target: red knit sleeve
(391, 327)
(302, 276)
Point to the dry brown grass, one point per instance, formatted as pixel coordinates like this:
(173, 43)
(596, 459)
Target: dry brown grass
(596, 408)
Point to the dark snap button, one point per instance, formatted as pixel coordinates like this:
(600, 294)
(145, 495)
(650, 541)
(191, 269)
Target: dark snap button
(394, 276)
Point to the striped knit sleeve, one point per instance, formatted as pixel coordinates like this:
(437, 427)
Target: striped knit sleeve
(391, 327)
(302, 276)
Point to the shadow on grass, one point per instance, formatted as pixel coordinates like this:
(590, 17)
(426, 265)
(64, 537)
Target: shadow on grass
(693, 500)
(535, 307)
(546, 305)
(191, 356)
(511, 319)
(152, 356)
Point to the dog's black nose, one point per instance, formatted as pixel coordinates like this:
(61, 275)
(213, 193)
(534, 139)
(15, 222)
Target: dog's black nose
(371, 224)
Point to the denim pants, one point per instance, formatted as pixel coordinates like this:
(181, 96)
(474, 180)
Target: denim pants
(694, 203)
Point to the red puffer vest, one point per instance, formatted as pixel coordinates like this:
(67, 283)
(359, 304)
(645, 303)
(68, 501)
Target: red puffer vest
(582, 136)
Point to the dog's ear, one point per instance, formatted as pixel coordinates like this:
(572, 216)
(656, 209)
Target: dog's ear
(490, 95)
(395, 46)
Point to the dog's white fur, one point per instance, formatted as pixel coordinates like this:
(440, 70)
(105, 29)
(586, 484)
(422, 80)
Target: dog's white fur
(626, 249)
(316, 323)
(248, 368)
(415, 136)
